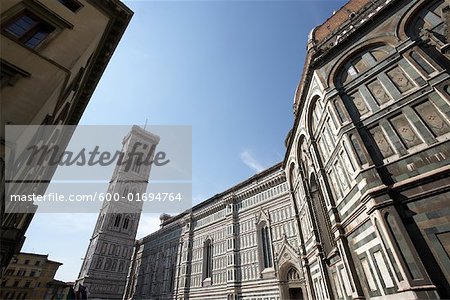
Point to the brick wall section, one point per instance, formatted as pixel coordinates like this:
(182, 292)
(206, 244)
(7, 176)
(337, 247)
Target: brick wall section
(339, 18)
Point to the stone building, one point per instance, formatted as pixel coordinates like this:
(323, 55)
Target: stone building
(28, 276)
(104, 270)
(53, 54)
(364, 209)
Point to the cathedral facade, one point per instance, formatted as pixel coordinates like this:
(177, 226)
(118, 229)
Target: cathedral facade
(359, 208)
(237, 243)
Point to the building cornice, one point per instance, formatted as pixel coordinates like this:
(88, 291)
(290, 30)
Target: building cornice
(219, 200)
(120, 16)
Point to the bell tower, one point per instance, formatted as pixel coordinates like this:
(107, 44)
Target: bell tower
(105, 266)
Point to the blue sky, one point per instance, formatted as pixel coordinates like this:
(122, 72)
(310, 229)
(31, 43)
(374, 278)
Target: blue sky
(227, 68)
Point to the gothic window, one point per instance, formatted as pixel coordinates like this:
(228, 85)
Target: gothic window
(432, 20)
(126, 222)
(432, 118)
(114, 265)
(108, 264)
(28, 29)
(117, 220)
(405, 131)
(266, 246)
(361, 63)
(99, 263)
(207, 259)
(104, 248)
(137, 164)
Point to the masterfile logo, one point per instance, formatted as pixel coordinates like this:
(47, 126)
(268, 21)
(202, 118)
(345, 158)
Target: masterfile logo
(70, 168)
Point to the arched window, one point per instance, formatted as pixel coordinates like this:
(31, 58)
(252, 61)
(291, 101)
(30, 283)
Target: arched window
(137, 164)
(108, 264)
(114, 265)
(126, 223)
(99, 263)
(207, 259)
(266, 245)
(117, 220)
(433, 20)
(361, 62)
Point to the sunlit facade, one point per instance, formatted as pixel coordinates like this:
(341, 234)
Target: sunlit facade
(359, 208)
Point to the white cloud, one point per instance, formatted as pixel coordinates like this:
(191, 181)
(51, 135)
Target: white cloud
(148, 223)
(248, 159)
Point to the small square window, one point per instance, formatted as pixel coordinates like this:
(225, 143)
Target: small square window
(28, 29)
(71, 4)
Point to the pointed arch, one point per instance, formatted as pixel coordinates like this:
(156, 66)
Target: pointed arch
(207, 259)
(424, 16)
(117, 219)
(360, 61)
(126, 222)
(264, 241)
